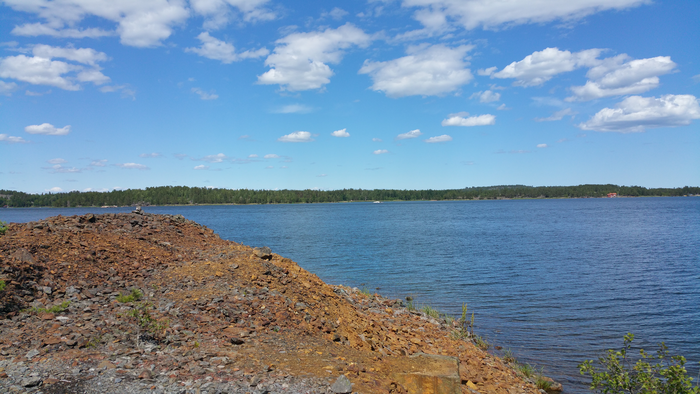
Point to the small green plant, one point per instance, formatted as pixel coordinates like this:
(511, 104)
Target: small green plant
(508, 356)
(364, 290)
(135, 295)
(667, 376)
(480, 342)
(409, 304)
(2, 285)
(141, 313)
(465, 328)
(94, 341)
(62, 307)
(3, 227)
(430, 311)
(542, 383)
(526, 370)
(449, 320)
(529, 372)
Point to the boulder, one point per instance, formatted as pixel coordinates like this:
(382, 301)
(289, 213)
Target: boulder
(342, 385)
(264, 253)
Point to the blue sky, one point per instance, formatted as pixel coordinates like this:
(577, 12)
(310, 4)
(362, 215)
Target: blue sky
(406, 94)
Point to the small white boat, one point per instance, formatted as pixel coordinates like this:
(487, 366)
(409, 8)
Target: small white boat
(377, 202)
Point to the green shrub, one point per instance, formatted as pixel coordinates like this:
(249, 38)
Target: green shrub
(667, 376)
(142, 314)
(2, 285)
(3, 227)
(135, 295)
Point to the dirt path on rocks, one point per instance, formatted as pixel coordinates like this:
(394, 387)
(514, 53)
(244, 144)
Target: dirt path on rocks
(156, 303)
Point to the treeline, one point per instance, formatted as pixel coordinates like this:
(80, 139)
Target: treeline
(183, 195)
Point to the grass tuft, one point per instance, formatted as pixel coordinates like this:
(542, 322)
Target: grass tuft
(409, 304)
(482, 343)
(508, 356)
(135, 295)
(542, 383)
(430, 311)
(62, 307)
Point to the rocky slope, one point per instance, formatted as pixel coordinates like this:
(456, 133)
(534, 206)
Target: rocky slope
(130, 303)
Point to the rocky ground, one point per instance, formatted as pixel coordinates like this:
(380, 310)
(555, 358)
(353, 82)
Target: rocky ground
(132, 303)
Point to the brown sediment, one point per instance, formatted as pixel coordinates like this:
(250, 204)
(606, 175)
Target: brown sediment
(212, 310)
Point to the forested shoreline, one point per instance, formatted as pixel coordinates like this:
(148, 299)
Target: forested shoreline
(184, 195)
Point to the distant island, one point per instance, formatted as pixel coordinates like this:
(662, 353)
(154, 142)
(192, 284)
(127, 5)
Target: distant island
(184, 195)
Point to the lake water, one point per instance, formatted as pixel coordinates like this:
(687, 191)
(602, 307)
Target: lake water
(555, 281)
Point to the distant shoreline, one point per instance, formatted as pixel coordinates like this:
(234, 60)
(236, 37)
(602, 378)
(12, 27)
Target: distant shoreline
(185, 196)
(341, 202)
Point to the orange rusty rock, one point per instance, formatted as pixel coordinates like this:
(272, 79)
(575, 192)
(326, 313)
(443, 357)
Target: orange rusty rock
(215, 298)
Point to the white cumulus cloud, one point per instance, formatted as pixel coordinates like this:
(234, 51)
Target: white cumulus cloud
(132, 166)
(54, 189)
(426, 70)
(541, 145)
(340, 133)
(541, 66)
(6, 88)
(636, 114)
(300, 60)
(59, 169)
(411, 134)
(215, 49)
(139, 23)
(380, 151)
(47, 129)
(12, 139)
(217, 158)
(218, 13)
(297, 136)
(151, 155)
(440, 138)
(613, 76)
(480, 120)
(271, 156)
(486, 96)
(618, 76)
(201, 167)
(489, 14)
(87, 56)
(40, 69)
(40, 29)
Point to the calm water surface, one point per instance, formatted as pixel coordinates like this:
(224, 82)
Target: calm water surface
(555, 281)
